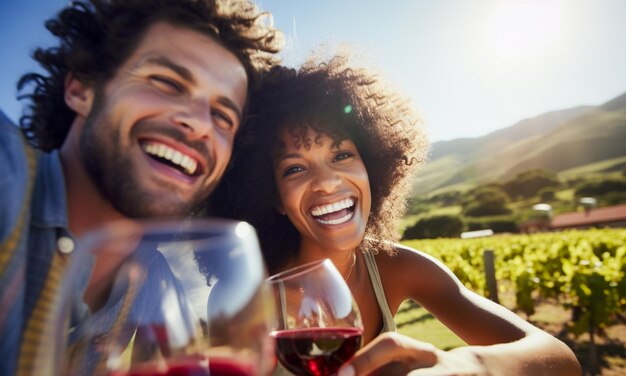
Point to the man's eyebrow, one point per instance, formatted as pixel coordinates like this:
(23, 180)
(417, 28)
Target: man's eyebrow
(186, 74)
(162, 61)
(226, 102)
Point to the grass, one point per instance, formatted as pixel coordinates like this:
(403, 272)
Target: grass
(565, 195)
(593, 168)
(415, 322)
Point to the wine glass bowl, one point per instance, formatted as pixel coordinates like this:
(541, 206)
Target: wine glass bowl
(319, 326)
(170, 298)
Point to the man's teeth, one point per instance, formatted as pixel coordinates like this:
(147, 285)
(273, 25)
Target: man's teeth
(172, 155)
(334, 207)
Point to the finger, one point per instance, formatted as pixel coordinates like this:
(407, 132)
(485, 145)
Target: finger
(388, 348)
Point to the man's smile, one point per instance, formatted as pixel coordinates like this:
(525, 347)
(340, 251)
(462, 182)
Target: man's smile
(172, 157)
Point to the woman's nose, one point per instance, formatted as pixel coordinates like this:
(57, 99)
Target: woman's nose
(326, 180)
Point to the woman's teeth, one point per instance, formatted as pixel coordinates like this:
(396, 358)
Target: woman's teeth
(334, 214)
(334, 207)
(336, 221)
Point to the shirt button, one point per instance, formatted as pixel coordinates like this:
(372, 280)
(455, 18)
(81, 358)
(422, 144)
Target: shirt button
(65, 245)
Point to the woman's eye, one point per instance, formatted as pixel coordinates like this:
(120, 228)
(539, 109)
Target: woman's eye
(292, 170)
(343, 155)
(166, 85)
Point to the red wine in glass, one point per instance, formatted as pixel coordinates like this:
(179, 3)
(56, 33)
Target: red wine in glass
(316, 351)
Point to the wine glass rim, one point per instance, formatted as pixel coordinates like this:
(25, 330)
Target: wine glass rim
(299, 270)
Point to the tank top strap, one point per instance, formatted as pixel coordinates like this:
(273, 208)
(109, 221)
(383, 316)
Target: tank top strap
(389, 325)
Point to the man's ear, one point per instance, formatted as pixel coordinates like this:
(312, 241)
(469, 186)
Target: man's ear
(78, 95)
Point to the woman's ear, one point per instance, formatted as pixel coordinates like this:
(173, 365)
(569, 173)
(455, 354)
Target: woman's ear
(78, 95)
(280, 209)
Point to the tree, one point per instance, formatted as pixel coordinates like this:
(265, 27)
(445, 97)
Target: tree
(438, 226)
(547, 194)
(600, 188)
(486, 201)
(527, 184)
(446, 198)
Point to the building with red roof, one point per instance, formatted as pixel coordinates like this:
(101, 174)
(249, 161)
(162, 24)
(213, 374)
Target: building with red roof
(610, 216)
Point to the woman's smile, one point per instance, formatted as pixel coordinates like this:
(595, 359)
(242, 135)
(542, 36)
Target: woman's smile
(336, 213)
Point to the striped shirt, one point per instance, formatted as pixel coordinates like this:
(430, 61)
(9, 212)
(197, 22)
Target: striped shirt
(33, 219)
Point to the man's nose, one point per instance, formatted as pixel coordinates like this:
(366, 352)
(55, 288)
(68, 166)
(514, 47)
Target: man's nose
(196, 119)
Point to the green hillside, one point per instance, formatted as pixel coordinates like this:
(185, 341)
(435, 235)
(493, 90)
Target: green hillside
(557, 141)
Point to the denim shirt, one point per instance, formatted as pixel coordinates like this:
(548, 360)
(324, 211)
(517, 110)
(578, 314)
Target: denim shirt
(24, 273)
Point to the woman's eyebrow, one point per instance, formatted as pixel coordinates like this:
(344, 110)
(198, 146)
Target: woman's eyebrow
(282, 157)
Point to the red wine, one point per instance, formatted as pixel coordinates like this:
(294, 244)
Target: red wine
(216, 367)
(317, 352)
(230, 367)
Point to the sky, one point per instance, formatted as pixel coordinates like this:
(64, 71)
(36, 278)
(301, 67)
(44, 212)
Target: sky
(469, 66)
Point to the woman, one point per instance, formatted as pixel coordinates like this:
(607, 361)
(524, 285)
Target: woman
(323, 170)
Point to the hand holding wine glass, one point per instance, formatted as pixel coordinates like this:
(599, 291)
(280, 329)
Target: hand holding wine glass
(319, 325)
(172, 298)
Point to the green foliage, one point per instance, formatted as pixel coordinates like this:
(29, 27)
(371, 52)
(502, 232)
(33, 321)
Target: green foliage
(486, 201)
(613, 198)
(547, 194)
(499, 224)
(525, 283)
(582, 270)
(418, 205)
(447, 198)
(600, 187)
(529, 183)
(439, 226)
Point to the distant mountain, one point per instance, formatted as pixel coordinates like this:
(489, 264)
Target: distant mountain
(556, 140)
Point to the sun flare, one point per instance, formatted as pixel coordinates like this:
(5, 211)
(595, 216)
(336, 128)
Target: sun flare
(518, 30)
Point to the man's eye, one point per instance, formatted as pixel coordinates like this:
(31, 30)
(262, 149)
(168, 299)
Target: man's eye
(292, 170)
(166, 85)
(223, 121)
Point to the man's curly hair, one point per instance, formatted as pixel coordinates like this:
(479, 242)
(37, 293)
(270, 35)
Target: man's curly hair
(97, 36)
(340, 101)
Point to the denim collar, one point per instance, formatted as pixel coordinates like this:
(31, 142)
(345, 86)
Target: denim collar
(49, 205)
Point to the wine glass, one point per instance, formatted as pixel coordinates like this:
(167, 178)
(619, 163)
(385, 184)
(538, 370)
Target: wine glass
(169, 298)
(319, 326)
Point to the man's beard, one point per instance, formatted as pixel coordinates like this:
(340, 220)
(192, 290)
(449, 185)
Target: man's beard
(114, 173)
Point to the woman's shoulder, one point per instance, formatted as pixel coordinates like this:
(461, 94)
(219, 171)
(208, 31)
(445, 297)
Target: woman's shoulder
(413, 273)
(404, 257)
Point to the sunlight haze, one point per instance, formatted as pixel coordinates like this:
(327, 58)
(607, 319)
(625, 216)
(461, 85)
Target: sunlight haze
(470, 67)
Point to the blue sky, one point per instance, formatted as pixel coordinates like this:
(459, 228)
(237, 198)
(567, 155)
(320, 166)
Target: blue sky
(470, 66)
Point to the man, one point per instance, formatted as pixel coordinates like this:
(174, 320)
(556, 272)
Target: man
(137, 116)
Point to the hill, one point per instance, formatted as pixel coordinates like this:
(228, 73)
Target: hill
(557, 140)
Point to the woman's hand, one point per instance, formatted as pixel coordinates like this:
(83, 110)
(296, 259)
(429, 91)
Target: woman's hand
(396, 354)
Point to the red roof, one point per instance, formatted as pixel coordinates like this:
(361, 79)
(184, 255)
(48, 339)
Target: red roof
(592, 217)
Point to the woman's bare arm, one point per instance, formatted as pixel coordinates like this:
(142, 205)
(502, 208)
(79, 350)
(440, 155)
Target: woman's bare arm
(501, 342)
